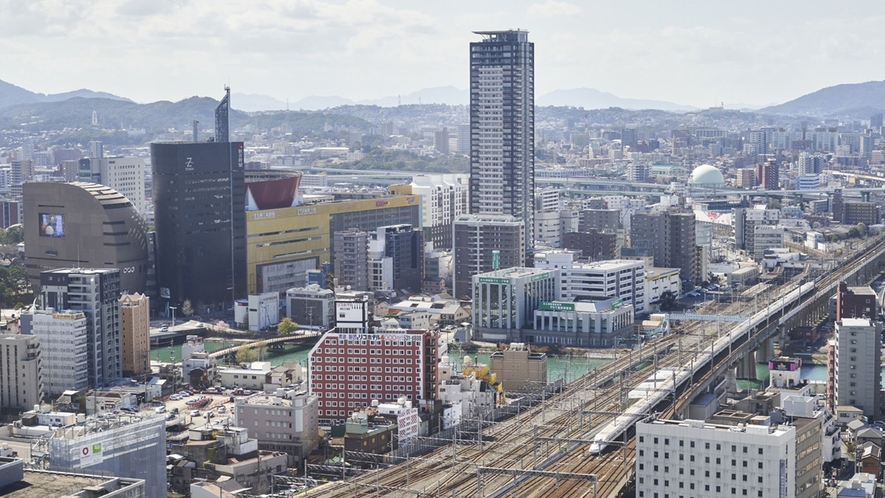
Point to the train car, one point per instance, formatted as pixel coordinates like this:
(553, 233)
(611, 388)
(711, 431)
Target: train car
(615, 429)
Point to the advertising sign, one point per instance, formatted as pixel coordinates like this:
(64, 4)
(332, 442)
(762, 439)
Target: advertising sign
(90, 454)
(407, 422)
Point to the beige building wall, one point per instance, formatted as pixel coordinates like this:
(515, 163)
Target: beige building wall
(21, 375)
(135, 328)
(519, 370)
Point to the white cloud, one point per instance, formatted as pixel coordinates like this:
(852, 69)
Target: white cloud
(170, 49)
(553, 8)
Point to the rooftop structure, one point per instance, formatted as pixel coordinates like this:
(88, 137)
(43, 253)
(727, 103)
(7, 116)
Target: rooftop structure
(45, 484)
(706, 175)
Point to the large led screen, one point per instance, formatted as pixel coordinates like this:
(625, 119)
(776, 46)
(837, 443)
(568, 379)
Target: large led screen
(52, 225)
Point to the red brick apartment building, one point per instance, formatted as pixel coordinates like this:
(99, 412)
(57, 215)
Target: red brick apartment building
(349, 369)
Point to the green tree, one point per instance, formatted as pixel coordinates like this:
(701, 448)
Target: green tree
(12, 235)
(286, 326)
(245, 354)
(668, 301)
(18, 279)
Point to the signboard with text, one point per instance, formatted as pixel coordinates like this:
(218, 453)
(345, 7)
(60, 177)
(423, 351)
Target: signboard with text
(494, 280)
(557, 306)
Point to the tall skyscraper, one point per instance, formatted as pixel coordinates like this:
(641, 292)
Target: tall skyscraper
(502, 128)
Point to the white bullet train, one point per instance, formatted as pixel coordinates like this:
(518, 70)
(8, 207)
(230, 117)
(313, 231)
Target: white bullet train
(616, 428)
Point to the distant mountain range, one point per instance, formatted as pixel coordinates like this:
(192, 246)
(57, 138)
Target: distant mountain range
(858, 100)
(588, 98)
(158, 117)
(13, 95)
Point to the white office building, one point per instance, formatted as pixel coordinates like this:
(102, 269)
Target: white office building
(766, 237)
(443, 198)
(123, 174)
(548, 228)
(63, 340)
(504, 301)
(808, 182)
(693, 458)
(617, 278)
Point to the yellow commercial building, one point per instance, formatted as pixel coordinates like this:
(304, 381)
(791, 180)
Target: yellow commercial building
(282, 244)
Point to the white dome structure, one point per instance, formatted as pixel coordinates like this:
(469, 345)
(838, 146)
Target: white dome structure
(706, 176)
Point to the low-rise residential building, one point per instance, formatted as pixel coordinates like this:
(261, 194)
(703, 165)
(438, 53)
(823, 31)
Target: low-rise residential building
(464, 396)
(254, 377)
(225, 453)
(369, 437)
(443, 312)
(411, 319)
(285, 421)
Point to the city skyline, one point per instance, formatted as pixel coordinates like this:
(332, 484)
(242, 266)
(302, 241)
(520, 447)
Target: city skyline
(703, 55)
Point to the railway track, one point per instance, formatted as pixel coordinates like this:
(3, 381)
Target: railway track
(524, 442)
(520, 442)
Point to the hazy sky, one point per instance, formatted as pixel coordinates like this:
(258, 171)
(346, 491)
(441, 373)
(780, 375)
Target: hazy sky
(697, 53)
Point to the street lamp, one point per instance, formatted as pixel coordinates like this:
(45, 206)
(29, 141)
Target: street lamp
(173, 308)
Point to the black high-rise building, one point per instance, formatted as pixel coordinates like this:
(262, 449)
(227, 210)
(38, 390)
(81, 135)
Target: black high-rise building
(199, 211)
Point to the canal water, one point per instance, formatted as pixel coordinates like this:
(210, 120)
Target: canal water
(289, 352)
(567, 368)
